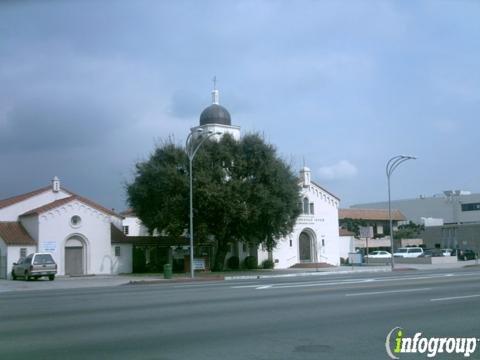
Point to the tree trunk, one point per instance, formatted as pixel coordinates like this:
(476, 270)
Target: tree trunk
(220, 254)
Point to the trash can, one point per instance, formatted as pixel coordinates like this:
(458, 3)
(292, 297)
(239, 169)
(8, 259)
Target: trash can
(167, 271)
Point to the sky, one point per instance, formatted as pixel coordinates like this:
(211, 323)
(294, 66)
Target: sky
(88, 88)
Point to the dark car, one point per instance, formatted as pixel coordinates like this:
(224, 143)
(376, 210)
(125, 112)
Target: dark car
(432, 253)
(465, 254)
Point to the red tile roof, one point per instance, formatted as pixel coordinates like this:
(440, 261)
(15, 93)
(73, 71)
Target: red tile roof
(58, 203)
(370, 214)
(19, 198)
(13, 233)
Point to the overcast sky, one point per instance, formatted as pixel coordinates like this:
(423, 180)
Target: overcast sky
(88, 87)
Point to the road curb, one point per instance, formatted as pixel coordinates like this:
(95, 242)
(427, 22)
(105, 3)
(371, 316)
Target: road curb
(171, 281)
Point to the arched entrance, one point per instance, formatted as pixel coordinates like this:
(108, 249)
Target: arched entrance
(305, 247)
(75, 256)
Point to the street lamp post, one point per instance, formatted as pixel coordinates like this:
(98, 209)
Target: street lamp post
(191, 151)
(392, 164)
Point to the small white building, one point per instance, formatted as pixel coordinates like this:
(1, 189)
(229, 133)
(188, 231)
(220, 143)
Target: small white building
(82, 236)
(132, 225)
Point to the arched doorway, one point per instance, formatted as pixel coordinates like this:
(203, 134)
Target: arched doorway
(305, 247)
(75, 256)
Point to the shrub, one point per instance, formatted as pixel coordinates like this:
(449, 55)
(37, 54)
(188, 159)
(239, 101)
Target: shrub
(250, 262)
(233, 262)
(139, 261)
(267, 264)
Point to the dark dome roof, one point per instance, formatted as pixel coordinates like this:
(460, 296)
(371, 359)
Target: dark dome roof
(215, 114)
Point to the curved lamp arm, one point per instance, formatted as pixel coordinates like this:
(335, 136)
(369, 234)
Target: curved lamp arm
(392, 164)
(191, 152)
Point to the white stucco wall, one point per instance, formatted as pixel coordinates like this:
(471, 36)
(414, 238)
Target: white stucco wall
(3, 257)
(117, 221)
(11, 213)
(322, 226)
(262, 256)
(3, 248)
(218, 128)
(346, 245)
(122, 264)
(55, 229)
(135, 226)
(30, 223)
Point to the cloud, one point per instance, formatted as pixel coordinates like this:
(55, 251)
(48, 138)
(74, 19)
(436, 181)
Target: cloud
(51, 125)
(341, 170)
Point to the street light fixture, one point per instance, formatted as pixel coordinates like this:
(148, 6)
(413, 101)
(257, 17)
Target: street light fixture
(392, 164)
(191, 151)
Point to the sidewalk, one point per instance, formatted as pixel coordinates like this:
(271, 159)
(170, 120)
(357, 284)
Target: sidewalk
(95, 281)
(285, 273)
(63, 282)
(457, 265)
(266, 274)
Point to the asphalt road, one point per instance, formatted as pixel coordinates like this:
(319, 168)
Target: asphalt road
(325, 317)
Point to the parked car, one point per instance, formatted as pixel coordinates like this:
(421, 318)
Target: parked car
(432, 253)
(35, 266)
(379, 255)
(465, 254)
(408, 252)
(447, 252)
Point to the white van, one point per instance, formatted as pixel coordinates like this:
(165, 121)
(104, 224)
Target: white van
(408, 252)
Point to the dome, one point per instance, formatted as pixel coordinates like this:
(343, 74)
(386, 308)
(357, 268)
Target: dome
(215, 114)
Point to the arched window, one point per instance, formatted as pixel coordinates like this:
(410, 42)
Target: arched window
(305, 206)
(312, 208)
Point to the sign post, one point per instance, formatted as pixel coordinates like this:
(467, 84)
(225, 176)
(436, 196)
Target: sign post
(367, 233)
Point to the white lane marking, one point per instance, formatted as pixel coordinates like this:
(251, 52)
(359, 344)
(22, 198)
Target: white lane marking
(245, 286)
(282, 286)
(303, 283)
(264, 287)
(423, 277)
(456, 298)
(349, 281)
(308, 284)
(387, 292)
(205, 284)
(313, 273)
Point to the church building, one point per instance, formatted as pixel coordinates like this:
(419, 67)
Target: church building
(83, 237)
(315, 237)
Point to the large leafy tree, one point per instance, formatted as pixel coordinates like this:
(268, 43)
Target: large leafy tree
(243, 192)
